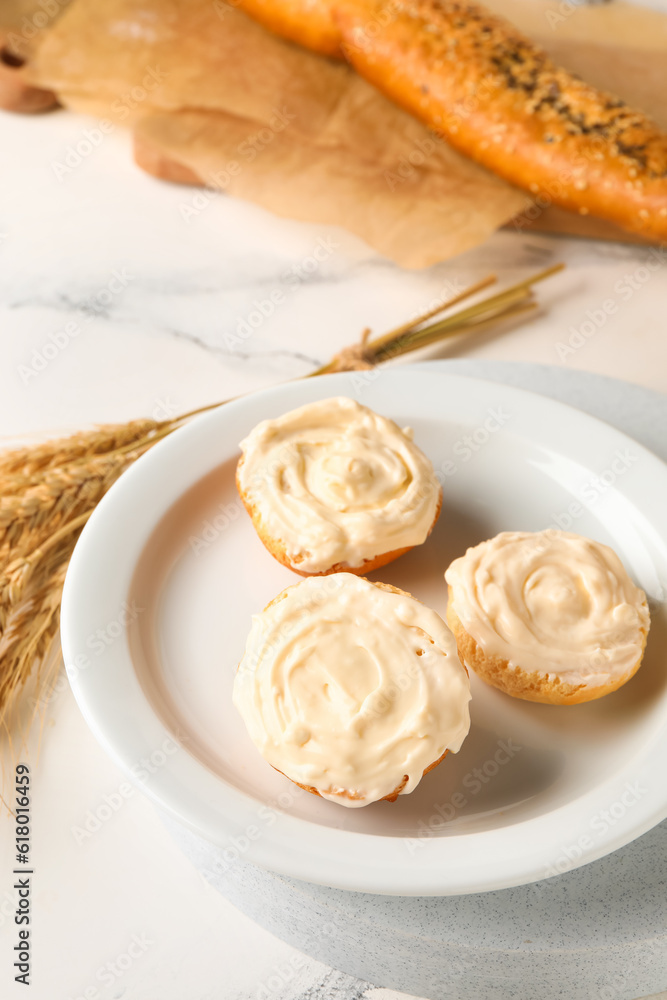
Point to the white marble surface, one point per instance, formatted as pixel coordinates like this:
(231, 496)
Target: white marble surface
(168, 340)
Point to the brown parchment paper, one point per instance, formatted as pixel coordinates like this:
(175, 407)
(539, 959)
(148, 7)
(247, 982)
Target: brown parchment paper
(23, 24)
(432, 214)
(216, 99)
(296, 133)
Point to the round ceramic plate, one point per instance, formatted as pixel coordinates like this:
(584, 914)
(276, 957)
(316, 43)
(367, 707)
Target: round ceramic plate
(168, 572)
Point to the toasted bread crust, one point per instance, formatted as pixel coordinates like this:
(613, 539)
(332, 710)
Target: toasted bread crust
(277, 547)
(308, 23)
(520, 683)
(501, 100)
(498, 98)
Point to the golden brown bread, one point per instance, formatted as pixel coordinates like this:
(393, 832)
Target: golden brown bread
(276, 546)
(311, 24)
(520, 683)
(500, 99)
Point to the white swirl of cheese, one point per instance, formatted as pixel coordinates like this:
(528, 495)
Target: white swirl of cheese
(337, 484)
(347, 687)
(551, 603)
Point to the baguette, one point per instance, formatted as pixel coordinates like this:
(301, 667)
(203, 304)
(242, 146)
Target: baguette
(499, 99)
(311, 23)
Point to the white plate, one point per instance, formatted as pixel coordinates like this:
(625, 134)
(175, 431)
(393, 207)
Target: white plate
(535, 789)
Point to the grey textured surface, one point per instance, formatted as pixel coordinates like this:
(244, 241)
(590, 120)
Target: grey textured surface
(596, 932)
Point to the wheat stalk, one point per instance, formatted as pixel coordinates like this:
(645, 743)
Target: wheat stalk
(48, 491)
